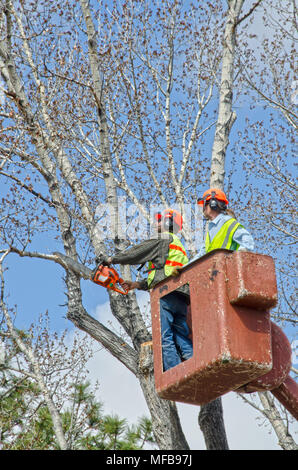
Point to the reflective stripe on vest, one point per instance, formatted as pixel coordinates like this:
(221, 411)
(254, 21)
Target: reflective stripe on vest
(224, 237)
(176, 257)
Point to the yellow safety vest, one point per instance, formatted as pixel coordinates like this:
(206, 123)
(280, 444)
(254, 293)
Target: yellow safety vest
(176, 257)
(224, 237)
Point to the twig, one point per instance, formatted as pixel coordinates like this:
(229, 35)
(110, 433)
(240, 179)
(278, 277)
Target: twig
(248, 13)
(28, 188)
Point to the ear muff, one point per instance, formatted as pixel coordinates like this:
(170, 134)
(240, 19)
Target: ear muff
(213, 204)
(213, 194)
(172, 220)
(168, 223)
(157, 216)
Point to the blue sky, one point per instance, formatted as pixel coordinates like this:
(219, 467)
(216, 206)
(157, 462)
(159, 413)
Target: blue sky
(36, 286)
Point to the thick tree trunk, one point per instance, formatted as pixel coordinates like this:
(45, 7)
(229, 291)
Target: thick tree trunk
(166, 423)
(211, 423)
(211, 415)
(226, 116)
(138, 359)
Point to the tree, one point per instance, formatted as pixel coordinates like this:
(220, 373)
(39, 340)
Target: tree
(45, 403)
(110, 100)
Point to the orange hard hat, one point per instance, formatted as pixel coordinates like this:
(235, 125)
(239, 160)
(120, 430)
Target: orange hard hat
(174, 215)
(213, 193)
(170, 215)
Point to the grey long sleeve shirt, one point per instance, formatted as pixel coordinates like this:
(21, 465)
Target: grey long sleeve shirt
(155, 250)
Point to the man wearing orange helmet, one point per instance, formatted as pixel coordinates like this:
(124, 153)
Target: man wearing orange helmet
(224, 231)
(164, 254)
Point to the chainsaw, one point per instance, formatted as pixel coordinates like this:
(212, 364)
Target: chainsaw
(102, 275)
(108, 277)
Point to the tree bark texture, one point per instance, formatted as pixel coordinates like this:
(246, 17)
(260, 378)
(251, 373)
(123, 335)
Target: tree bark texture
(226, 116)
(211, 423)
(285, 440)
(164, 411)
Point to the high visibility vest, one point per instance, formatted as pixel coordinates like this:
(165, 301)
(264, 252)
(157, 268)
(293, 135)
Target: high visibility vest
(176, 257)
(224, 237)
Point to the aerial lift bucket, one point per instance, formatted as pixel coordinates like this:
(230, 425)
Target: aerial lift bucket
(231, 294)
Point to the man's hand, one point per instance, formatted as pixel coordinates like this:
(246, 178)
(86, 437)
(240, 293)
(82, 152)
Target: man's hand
(129, 285)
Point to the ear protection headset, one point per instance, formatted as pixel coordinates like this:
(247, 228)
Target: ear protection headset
(213, 202)
(171, 220)
(168, 222)
(216, 199)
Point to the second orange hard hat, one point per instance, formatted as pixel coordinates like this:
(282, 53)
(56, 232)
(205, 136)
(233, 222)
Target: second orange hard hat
(170, 214)
(213, 193)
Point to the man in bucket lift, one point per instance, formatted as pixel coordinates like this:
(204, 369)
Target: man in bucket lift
(164, 254)
(223, 229)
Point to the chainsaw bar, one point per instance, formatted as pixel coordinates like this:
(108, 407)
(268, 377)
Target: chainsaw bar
(74, 266)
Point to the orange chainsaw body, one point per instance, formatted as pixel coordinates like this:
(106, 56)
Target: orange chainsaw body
(108, 277)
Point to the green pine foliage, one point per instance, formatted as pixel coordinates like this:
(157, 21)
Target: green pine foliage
(26, 424)
(25, 420)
